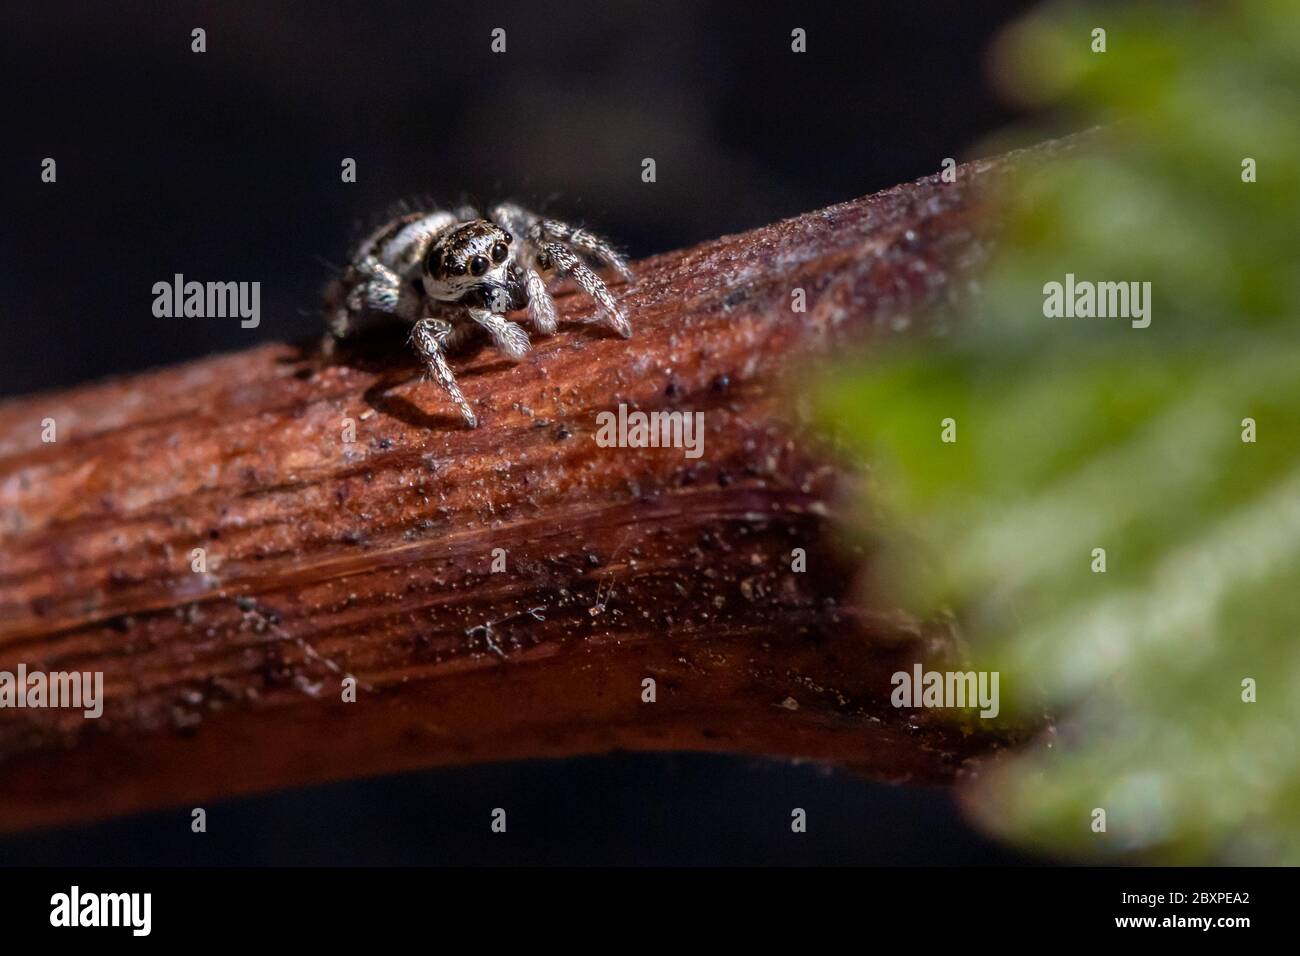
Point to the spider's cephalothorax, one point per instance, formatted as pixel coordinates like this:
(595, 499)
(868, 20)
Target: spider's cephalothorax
(448, 273)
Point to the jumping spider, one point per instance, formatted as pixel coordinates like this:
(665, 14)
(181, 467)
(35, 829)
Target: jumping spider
(451, 273)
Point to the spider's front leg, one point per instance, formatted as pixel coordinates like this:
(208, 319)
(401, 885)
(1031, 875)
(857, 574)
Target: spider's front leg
(551, 244)
(566, 262)
(539, 232)
(431, 338)
(587, 243)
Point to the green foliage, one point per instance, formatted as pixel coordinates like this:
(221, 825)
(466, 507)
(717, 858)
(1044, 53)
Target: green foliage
(1083, 433)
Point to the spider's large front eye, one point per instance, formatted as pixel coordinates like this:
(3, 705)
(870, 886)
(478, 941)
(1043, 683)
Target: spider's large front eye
(499, 253)
(478, 265)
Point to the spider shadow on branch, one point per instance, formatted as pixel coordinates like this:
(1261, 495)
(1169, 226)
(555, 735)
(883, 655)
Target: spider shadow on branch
(383, 352)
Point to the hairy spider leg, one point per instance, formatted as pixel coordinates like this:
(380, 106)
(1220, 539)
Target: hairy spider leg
(431, 338)
(587, 243)
(567, 263)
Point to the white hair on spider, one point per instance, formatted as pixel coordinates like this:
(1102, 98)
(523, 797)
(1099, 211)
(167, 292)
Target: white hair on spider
(448, 274)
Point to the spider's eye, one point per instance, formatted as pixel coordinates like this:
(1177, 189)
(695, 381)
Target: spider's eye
(499, 252)
(458, 269)
(433, 264)
(506, 236)
(478, 265)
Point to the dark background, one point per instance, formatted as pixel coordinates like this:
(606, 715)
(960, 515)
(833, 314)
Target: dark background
(226, 166)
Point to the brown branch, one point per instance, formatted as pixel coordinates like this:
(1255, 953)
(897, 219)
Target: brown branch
(374, 558)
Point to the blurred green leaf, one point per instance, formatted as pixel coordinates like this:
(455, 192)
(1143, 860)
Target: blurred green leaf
(1083, 433)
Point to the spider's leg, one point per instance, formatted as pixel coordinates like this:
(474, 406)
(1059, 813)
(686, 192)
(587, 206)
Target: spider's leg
(370, 285)
(514, 219)
(588, 243)
(566, 263)
(431, 338)
(543, 240)
(383, 286)
(541, 307)
(338, 315)
(329, 342)
(509, 337)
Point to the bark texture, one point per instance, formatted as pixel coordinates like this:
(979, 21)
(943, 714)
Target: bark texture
(373, 558)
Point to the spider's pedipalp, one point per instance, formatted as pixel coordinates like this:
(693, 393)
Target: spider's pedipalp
(508, 336)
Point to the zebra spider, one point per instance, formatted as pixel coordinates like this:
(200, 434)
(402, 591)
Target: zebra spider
(449, 274)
